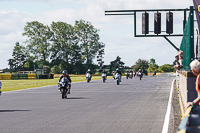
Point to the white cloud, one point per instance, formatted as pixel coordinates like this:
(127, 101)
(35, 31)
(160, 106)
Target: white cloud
(115, 31)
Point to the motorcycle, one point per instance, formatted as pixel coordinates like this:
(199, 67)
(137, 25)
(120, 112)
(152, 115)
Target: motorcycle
(127, 75)
(140, 75)
(64, 87)
(88, 77)
(103, 75)
(131, 75)
(117, 78)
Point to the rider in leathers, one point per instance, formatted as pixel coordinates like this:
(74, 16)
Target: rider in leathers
(65, 74)
(119, 72)
(104, 73)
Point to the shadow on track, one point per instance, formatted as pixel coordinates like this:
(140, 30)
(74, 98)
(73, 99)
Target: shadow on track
(13, 110)
(77, 98)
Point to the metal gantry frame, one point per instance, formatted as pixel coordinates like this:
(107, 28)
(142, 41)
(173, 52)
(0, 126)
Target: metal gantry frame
(134, 12)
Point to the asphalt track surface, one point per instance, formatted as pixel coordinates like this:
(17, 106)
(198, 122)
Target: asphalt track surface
(134, 106)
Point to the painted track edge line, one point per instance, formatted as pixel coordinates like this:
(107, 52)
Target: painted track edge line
(167, 115)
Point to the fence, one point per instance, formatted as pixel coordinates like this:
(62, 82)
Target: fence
(187, 44)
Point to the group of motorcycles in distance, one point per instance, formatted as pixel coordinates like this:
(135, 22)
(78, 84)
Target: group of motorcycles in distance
(131, 74)
(64, 86)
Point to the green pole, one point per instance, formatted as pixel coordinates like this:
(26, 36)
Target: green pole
(171, 43)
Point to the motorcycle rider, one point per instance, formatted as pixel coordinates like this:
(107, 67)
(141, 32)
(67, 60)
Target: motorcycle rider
(131, 73)
(140, 71)
(119, 72)
(104, 72)
(88, 71)
(113, 73)
(127, 73)
(65, 74)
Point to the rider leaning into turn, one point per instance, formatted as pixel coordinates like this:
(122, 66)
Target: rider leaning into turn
(65, 74)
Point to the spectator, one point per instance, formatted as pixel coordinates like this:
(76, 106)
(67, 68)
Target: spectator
(180, 54)
(195, 67)
(176, 63)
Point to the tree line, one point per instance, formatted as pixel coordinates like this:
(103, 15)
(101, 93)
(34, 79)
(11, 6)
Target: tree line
(57, 46)
(61, 46)
(151, 66)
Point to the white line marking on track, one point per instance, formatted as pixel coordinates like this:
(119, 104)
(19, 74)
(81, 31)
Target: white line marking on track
(167, 115)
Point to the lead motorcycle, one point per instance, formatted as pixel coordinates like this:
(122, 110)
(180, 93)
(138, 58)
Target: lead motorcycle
(64, 87)
(88, 77)
(103, 75)
(117, 78)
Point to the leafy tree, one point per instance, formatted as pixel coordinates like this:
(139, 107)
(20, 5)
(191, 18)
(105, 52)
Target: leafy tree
(29, 65)
(152, 65)
(117, 63)
(11, 64)
(19, 57)
(166, 68)
(56, 69)
(88, 40)
(141, 64)
(38, 40)
(65, 46)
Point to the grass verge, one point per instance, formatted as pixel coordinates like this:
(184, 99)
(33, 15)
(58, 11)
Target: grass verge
(11, 85)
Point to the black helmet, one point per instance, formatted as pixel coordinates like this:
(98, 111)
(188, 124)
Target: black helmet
(64, 72)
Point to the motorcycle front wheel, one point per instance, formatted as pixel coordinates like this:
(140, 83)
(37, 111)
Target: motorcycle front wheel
(63, 93)
(117, 82)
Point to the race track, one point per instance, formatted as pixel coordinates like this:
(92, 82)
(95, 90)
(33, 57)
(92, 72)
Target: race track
(134, 106)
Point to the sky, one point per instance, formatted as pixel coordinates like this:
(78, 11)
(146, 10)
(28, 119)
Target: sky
(116, 32)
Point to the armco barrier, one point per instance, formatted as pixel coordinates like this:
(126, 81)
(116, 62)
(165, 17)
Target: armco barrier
(32, 76)
(19, 76)
(25, 76)
(5, 76)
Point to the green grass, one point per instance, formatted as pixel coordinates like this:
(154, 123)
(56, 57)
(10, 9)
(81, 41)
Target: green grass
(10, 85)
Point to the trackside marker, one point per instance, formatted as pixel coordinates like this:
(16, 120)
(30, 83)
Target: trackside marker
(167, 115)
